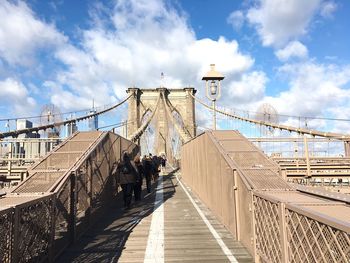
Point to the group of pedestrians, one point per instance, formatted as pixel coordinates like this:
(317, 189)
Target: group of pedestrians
(129, 175)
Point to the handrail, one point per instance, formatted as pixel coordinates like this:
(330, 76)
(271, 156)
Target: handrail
(52, 125)
(344, 137)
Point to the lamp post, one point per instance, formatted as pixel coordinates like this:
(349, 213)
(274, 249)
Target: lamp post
(213, 88)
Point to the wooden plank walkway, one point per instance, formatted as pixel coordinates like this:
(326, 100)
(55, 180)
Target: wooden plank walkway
(164, 227)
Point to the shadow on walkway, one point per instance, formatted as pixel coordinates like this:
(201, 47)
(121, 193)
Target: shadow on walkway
(105, 241)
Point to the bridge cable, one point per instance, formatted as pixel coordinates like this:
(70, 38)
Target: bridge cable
(144, 126)
(330, 135)
(52, 125)
(182, 132)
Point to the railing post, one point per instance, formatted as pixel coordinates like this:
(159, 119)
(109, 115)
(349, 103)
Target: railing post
(257, 258)
(283, 232)
(53, 229)
(73, 210)
(14, 245)
(237, 213)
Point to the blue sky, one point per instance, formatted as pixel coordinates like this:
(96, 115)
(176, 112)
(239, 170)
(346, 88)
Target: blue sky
(293, 55)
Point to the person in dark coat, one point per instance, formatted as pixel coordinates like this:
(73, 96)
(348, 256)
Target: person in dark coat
(126, 176)
(155, 164)
(139, 179)
(163, 163)
(147, 171)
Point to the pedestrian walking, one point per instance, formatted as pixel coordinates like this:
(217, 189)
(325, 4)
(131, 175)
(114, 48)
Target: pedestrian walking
(126, 175)
(155, 164)
(139, 179)
(163, 163)
(147, 171)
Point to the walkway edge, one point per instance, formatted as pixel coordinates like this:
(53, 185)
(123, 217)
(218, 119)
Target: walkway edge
(155, 242)
(215, 234)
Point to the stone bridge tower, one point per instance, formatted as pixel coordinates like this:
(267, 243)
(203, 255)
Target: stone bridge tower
(144, 101)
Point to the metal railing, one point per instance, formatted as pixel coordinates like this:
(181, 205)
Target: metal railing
(274, 220)
(18, 154)
(38, 227)
(288, 233)
(26, 230)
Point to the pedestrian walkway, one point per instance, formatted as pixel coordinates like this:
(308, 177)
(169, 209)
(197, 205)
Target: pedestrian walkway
(168, 225)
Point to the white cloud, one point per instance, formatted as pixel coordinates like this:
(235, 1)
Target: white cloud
(249, 89)
(293, 49)
(315, 90)
(236, 19)
(14, 94)
(328, 8)
(279, 21)
(22, 34)
(147, 38)
(126, 46)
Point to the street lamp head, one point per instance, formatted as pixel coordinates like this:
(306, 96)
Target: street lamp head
(213, 88)
(213, 74)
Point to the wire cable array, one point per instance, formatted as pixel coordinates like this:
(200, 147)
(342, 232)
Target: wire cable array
(340, 136)
(15, 133)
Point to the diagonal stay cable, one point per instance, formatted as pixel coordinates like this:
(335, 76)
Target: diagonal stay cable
(340, 136)
(183, 133)
(172, 108)
(144, 126)
(52, 125)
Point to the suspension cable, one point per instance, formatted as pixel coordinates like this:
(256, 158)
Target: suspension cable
(50, 115)
(340, 136)
(117, 125)
(183, 133)
(144, 126)
(52, 125)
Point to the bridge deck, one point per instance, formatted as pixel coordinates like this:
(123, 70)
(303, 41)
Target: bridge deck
(165, 226)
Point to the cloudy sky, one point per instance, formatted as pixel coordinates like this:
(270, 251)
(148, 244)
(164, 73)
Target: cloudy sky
(293, 54)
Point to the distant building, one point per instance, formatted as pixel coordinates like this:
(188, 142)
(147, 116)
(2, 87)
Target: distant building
(71, 128)
(93, 121)
(25, 124)
(22, 149)
(124, 130)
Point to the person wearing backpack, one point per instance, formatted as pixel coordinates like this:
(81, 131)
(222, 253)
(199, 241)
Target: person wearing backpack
(139, 179)
(126, 177)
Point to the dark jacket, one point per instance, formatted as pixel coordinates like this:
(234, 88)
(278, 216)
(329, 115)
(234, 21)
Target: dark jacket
(126, 173)
(147, 168)
(140, 171)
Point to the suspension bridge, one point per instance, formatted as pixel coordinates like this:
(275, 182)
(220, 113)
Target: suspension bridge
(223, 197)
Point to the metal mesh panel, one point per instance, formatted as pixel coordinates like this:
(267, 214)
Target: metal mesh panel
(62, 213)
(75, 146)
(312, 241)
(267, 231)
(92, 135)
(39, 182)
(250, 160)
(83, 181)
(35, 221)
(6, 230)
(227, 135)
(236, 145)
(57, 160)
(265, 179)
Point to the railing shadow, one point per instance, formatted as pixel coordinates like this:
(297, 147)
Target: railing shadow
(105, 241)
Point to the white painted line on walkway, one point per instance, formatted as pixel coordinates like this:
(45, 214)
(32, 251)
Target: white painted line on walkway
(155, 242)
(218, 239)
